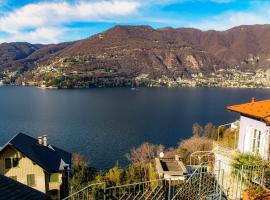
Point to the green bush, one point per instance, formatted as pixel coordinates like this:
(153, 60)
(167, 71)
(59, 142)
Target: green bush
(245, 159)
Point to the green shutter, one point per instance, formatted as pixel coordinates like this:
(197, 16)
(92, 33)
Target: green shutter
(54, 177)
(31, 179)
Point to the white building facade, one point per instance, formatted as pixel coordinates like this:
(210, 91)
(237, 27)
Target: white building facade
(254, 137)
(254, 133)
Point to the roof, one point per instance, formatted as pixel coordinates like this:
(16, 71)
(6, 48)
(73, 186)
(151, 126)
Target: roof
(13, 190)
(50, 158)
(256, 109)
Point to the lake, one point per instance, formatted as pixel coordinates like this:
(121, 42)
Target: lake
(104, 124)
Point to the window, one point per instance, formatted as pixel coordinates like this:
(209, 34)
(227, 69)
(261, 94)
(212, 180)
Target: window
(15, 162)
(8, 164)
(31, 180)
(54, 177)
(256, 141)
(13, 177)
(11, 162)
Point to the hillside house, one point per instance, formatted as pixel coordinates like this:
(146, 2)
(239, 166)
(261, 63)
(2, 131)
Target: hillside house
(254, 127)
(14, 190)
(37, 164)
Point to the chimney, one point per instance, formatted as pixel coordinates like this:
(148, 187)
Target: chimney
(45, 140)
(253, 99)
(40, 139)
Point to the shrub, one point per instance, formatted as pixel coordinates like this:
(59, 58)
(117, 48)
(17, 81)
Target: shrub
(83, 173)
(114, 176)
(193, 144)
(144, 153)
(245, 159)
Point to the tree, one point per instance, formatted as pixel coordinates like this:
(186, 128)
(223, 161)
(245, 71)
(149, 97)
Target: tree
(83, 173)
(143, 156)
(210, 130)
(193, 144)
(144, 153)
(171, 152)
(114, 175)
(152, 175)
(134, 173)
(197, 130)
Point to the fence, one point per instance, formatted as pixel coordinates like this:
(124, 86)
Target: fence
(219, 182)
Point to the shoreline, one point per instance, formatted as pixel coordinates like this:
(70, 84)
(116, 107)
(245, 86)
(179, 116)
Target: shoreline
(132, 88)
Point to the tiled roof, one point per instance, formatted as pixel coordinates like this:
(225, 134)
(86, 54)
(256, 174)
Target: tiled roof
(13, 190)
(256, 109)
(50, 158)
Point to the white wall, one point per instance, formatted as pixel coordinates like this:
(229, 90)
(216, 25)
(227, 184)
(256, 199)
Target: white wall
(245, 136)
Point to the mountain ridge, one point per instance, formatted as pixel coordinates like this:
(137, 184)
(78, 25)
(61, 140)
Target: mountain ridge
(129, 52)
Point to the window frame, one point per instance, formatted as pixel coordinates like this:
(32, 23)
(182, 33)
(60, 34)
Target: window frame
(52, 180)
(256, 139)
(31, 183)
(10, 160)
(15, 160)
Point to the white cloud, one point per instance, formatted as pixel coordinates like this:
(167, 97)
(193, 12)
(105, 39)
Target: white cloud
(38, 17)
(39, 35)
(46, 21)
(260, 14)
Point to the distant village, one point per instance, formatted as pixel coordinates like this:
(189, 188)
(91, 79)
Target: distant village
(223, 78)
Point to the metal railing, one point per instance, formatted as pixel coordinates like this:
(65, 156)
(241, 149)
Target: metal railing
(220, 182)
(235, 181)
(201, 184)
(93, 191)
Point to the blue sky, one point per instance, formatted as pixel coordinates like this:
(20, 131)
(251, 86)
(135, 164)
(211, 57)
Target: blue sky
(53, 21)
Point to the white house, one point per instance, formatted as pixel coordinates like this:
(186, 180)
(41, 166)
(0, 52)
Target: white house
(254, 127)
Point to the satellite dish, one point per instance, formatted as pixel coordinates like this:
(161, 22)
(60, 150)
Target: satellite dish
(161, 154)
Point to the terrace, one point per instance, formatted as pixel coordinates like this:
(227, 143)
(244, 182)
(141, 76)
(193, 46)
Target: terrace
(170, 168)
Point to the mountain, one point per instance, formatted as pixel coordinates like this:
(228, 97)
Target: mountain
(22, 56)
(128, 53)
(11, 52)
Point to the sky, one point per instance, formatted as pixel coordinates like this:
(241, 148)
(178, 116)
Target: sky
(54, 21)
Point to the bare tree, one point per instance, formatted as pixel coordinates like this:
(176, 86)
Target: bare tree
(195, 143)
(78, 159)
(197, 130)
(209, 130)
(144, 153)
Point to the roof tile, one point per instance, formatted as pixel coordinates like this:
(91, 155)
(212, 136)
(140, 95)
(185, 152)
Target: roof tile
(257, 109)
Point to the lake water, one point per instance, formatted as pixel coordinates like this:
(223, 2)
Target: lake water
(104, 124)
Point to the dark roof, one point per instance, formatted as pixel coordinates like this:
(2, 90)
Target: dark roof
(50, 158)
(13, 190)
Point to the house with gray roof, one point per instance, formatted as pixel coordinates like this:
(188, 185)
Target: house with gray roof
(36, 163)
(14, 190)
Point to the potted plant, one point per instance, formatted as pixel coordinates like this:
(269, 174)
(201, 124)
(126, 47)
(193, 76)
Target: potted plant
(256, 193)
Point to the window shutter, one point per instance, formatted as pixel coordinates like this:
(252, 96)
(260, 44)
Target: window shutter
(15, 162)
(31, 180)
(8, 163)
(54, 177)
